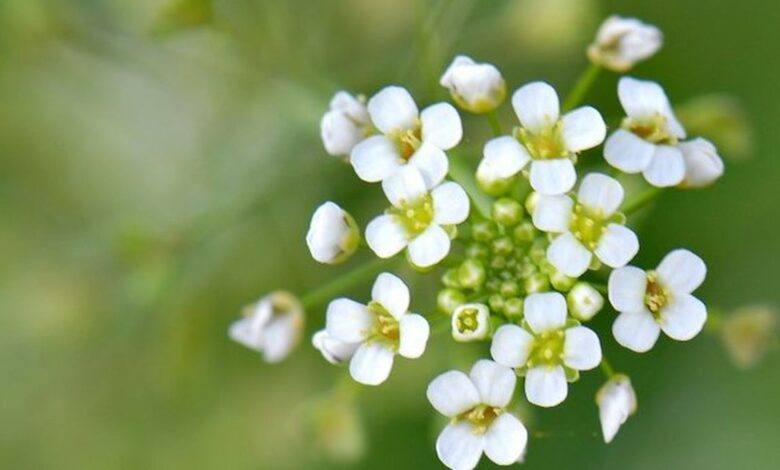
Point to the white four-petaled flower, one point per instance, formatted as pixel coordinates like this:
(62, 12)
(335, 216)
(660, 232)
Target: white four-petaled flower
(548, 349)
(648, 137)
(407, 137)
(345, 124)
(333, 234)
(478, 88)
(272, 326)
(617, 401)
(380, 330)
(476, 404)
(589, 226)
(660, 300)
(548, 141)
(622, 42)
(416, 218)
(703, 165)
(470, 322)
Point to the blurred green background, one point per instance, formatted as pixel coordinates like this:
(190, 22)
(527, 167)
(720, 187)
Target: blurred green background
(161, 159)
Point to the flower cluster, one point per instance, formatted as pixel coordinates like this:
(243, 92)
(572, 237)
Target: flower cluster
(526, 246)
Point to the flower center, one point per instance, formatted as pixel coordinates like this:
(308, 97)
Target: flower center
(385, 326)
(467, 320)
(547, 349)
(652, 129)
(481, 417)
(545, 145)
(408, 140)
(587, 226)
(414, 216)
(656, 296)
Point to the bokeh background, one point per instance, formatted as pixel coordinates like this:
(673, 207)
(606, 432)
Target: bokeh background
(160, 161)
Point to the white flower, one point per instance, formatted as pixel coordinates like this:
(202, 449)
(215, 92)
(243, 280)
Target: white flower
(617, 401)
(478, 88)
(548, 350)
(333, 234)
(703, 165)
(383, 328)
(584, 301)
(589, 226)
(407, 137)
(470, 322)
(416, 218)
(652, 301)
(345, 124)
(476, 404)
(547, 140)
(647, 140)
(333, 350)
(272, 326)
(622, 42)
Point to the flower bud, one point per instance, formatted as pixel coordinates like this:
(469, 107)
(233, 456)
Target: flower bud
(272, 326)
(345, 124)
(477, 251)
(471, 274)
(513, 308)
(530, 202)
(561, 282)
(478, 88)
(507, 212)
(449, 299)
(333, 234)
(503, 246)
(483, 230)
(333, 350)
(584, 301)
(470, 322)
(525, 232)
(496, 302)
(748, 333)
(622, 42)
(617, 401)
(723, 119)
(703, 165)
(536, 283)
(336, 429)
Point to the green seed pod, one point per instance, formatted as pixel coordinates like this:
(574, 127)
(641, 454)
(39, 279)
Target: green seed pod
(477, 251)
(507, 212)
(503, 246)
(449, 299)
(483, 230)
(525, 232)
(513, 308)
(471, 274)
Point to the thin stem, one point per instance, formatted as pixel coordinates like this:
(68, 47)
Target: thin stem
(463, 175)
(641, 200)
(606, 368)
(348, 279)
(495, 124)
(582, 86)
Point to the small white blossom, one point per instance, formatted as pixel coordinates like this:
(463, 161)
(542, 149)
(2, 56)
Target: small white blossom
(622, 42)
(333, 234)
(417, 217)
(590, 226)
(617, 401)
(548, 350)
(470, 322)
(648, 137)
(273, 326)
(476, 404)
(703, 165)
(407, 137)
(333, 350)
(547, 140)
(478, 88)
(660, 300)
(584, 301)
(345, 124)
(382, 329)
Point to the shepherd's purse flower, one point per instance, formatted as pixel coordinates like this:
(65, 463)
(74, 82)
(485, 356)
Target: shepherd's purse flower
(617, 401)
(345, 124)
(622, 42)
(333, 234)
(478, 88)
(273, 326)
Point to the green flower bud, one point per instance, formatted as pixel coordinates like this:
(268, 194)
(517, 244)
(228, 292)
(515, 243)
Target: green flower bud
(584, 301)
(513, 308)
(503, 246)
(525, 232)
(449, 299)
(471, 274)
(494, 186)
(507, 212)
(562, 282)
(498, 262)
(450, 278)
(483, 230)
(477, 251)
(530, 202)
(496, 302)
(536, 283)
(509, 288)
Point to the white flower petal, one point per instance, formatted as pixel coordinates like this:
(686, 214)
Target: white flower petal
(568, 255)
(246, 332)
(667, 167)
(618, 245)
(551, 177)
(581, 348)
(371, 363)
(682, 271)
(583, 128)
(627, 287)
(333, 350)
(432, 163)
(546, 386)
(601, 193)
(441, 125)
(503, 157)
(628, 152)
(347, 320)
(617, 401)
(375, 158)
(385, 236)
(405, 185)
(452, 393)
(553, 213)
(390, 291)
(327, 231)
(703, 165)
(642, 98)
(511, 346)
(495, 383)
(505, 440)
(536, 105)
(450, 204)
(414, 331)
(393, 109)
(684, 317)
(447, 78)
(429, 247)
(281, 335)
(545, 311)
(458, 447)
(339, 133)
(636, 331)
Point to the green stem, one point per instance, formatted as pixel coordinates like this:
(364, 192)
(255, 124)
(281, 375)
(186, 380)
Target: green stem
(464, 175)
(582, 86)
(495, 124)
(606, 368)
(348, 279)
(641, 200)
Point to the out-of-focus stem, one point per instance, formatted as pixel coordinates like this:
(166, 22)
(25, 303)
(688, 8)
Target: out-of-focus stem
(582, 86)
(641, 200)
(606, 368)
(346, 280)
(495, 124)
(465, 176)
